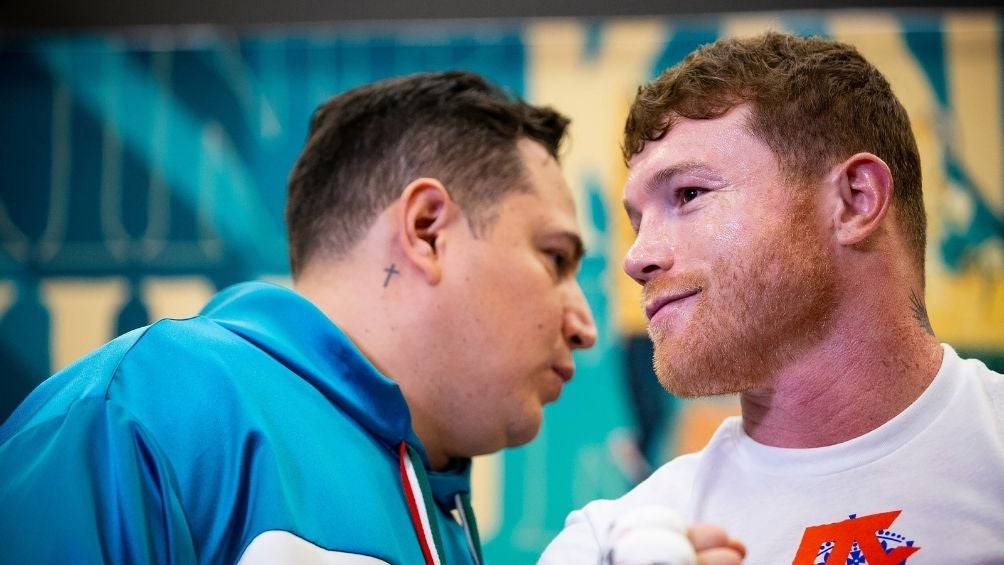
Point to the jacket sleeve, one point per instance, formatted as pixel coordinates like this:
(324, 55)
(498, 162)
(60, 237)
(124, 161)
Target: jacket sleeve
(89, 487)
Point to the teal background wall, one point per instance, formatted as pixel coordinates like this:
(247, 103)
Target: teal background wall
(142, 169)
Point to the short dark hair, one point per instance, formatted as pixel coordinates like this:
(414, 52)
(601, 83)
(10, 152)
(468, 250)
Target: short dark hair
(813, 102)
(365, 145)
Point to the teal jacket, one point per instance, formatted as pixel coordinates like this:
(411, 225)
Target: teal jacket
(187, 440)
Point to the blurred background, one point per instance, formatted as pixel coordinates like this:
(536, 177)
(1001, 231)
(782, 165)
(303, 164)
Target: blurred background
(144, 150)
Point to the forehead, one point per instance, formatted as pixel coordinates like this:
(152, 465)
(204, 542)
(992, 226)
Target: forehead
(723, 145)
(549, 200)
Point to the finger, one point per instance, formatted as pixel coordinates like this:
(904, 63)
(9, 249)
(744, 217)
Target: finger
(738, 547)
(719, 556)
(707, 536)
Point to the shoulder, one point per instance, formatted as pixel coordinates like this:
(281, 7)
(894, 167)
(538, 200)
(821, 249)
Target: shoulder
(179, 351)
(86, 379)
(974, 374)
(144, 366)
(95, 456)
(979, 391)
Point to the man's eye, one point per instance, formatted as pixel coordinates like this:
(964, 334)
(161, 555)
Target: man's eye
(689, 193)
(563, 262)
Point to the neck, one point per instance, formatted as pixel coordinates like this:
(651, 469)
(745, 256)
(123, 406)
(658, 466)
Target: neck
(878, 359)
(373, 317)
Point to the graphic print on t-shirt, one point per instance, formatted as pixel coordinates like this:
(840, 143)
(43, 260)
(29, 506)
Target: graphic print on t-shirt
(864, 540)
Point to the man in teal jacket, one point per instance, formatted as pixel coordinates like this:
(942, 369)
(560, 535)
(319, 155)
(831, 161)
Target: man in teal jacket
(434, 247)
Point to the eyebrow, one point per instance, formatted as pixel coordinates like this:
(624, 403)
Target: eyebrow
(665, 175)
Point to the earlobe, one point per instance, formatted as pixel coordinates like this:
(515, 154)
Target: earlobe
(425, 209)
(864, 185)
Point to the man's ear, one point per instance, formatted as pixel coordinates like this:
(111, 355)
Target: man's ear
(425, 209)
(864, 197)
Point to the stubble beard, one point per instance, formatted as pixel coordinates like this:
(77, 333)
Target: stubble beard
(759, 310)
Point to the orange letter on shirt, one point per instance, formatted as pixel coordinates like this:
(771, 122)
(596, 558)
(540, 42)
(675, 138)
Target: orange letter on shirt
(862, 530)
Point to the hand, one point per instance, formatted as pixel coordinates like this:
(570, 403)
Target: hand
(714, 546)
(654, 534)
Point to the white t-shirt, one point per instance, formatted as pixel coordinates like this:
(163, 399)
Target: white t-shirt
(926, 487)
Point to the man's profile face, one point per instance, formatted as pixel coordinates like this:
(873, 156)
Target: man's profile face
(737, 273)
(513, 313)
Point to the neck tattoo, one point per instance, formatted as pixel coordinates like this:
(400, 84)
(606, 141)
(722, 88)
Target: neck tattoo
(391, 271)
(920, 312)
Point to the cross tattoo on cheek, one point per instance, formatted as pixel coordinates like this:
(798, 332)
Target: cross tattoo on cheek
(391, 271)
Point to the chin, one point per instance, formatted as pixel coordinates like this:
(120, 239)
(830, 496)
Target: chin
(713, 373)
(524, 431)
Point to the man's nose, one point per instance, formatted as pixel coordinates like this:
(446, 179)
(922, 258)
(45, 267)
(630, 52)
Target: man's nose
(579, 328)
(650, 255)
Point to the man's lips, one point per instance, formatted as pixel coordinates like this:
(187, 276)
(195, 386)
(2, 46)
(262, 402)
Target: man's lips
(659, 302)
(566, 373)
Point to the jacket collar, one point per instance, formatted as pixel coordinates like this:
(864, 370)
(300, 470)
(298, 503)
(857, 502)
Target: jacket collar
(300, 336)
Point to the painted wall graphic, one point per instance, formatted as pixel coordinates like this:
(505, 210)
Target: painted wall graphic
(142, 171)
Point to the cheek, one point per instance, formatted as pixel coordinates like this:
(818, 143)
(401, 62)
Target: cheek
(527, 298)
(708, 242)
(730, 233)
(543, 315)
(739, 237)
